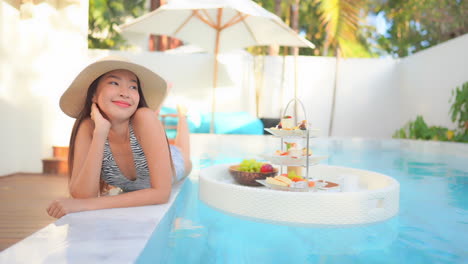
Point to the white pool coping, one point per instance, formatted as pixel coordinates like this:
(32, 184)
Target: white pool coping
(102, 236)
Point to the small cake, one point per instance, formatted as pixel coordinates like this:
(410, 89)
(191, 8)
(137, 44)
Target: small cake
(284, 179)
(293, 150)
(303, 125)
(287, 122)
(329, 186)
(304, 152)
(295, 171)
(279, 180)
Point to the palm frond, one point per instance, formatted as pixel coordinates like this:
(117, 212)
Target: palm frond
(340, 19)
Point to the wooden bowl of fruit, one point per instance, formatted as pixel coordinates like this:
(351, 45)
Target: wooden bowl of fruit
(248, 172)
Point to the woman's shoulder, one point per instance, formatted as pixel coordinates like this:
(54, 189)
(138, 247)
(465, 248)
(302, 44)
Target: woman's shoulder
(146, 120)
(87, 122)
(87, 125)
(144, 115)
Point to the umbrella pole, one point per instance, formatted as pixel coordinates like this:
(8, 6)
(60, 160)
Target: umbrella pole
(295, 87)
(213, 98)
(215, 73)
(335, 84)
(283, 72)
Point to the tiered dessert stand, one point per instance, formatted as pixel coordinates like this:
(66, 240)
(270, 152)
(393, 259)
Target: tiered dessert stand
(295, 162)
(373, 197)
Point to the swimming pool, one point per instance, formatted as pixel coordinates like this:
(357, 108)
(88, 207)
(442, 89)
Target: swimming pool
(431, 227)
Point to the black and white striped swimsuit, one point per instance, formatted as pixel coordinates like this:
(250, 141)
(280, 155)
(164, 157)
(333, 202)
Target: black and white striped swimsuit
(112, 175)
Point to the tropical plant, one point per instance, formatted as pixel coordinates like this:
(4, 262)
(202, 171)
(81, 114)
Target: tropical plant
(103, 18)
(459, 108)
(418, 129)
(312, 25)
(284, 9)
(414, 25)
(341, 19)
(411, 25)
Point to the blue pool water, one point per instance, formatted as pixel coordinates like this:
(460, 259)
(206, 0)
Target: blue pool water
(431, 227)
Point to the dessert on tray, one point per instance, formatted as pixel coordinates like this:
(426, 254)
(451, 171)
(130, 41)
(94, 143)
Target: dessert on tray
(292, 150)
(329, 186)
(287, 123)
(288, 182)
(287, 128)
(293, 156)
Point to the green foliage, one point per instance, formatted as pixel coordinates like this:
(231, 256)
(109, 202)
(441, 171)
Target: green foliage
(104, 17)
(459, 109)
(416, 25)
(418, 129)
(413, 25)
(328, 24)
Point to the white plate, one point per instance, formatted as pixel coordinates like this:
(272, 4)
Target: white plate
(293, 133)
(282, 188)
(294, 161)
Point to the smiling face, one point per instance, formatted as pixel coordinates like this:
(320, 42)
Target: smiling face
(117, 94)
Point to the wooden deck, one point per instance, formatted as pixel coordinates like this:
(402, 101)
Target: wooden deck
(24, 199)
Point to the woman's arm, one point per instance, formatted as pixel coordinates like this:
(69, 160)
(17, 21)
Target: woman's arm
(88, 154)
(152, 138)
(87, 161)
(61, 207)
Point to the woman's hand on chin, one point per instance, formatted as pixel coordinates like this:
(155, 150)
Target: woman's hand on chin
(101, 124)
(63, 206)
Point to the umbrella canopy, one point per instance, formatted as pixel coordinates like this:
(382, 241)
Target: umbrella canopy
(217, 26)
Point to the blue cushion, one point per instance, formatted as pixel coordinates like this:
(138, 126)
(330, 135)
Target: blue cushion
(172, 121)
(232, 123)
(226, 123)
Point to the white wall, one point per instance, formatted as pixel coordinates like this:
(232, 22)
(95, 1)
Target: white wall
(37, 44)
(315, 77)
(366, 98)
(427, 79)
(366, 95)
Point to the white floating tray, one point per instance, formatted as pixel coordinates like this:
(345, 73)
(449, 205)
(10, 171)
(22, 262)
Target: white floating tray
(376, 199)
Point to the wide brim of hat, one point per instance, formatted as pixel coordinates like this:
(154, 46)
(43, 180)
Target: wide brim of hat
(154, 87)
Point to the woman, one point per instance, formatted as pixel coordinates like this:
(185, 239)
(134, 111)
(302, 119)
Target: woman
(118, 139)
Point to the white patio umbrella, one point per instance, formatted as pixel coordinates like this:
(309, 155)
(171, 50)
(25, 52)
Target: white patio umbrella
(217, 26)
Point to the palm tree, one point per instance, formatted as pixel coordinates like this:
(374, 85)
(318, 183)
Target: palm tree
(274, 49)
(340, 19)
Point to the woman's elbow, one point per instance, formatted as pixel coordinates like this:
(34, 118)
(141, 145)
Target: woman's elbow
(162, 197)
(80, 194)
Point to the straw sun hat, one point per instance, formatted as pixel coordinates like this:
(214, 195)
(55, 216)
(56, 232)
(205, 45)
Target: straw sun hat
(153, 86)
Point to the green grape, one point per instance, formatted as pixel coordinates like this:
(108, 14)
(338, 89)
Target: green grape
(250, 165)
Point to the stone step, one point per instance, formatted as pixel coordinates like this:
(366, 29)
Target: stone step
(60, 151)
(55, 166)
